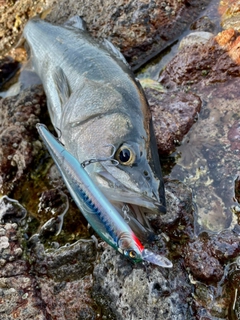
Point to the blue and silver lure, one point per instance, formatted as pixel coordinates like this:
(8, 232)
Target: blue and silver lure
(99, 212)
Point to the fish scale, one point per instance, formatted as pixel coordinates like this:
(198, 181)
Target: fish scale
(95, 101)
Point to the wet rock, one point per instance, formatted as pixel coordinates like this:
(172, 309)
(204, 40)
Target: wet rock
(69, 262)
(178, 222)
(139, 29)
(8, 67)
(173, 115)
(237, 189)
(234, 282)
(206, 255)
(127, 291)
(201, 263)
(19, 142)
(67, 300)
(201, 65)
(200, 37)
(225, 246)
(203, 24)
(11, 252)
(16, 285)
(234, 135)
(40, 284)
(11, 210)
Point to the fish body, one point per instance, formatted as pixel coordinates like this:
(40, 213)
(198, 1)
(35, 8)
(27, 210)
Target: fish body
(100, 213)
(96, 104)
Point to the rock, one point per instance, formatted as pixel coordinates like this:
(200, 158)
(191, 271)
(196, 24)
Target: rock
(11, 210)
(230, 14)
(225, 246)
(128, 291)
(140, 29)
(201, 65)
(173, 115)
(69, 262)
(203, 24)
(202, 264)
(13, 17)
(195, 38)
(237, 189)
(19, 142)
(234, 136)
(206, 255)
(178, 221)
(35, 284)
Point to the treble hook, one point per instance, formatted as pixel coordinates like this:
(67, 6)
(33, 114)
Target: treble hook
(114, 161)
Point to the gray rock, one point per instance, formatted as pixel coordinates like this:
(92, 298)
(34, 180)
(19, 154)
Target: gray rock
(136, 292)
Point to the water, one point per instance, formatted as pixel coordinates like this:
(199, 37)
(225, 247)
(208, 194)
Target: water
(207, 161)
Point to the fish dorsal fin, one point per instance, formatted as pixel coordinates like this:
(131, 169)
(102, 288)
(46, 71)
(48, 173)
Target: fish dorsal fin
(115, 51)
(61, 83)
(76, 22)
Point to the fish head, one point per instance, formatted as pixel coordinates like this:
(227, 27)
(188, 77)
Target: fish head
(130, 177)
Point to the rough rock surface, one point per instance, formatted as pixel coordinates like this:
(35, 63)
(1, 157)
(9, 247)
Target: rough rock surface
(35, 284)
(141, 29)
(173, 115)
(19, 142)
(138, 292)
(216, 61)
(13, 17)
(230, 14)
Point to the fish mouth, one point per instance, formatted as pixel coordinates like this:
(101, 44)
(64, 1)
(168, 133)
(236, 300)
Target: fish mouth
(130, 187)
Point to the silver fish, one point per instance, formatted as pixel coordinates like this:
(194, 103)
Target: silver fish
(100, 213)
(96, 104)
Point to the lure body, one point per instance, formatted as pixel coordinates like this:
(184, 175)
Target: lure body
(99, 212)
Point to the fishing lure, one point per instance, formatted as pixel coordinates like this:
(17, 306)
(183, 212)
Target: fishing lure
(99, 212)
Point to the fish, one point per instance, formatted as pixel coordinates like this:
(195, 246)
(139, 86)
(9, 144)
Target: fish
(98, 107)
(96, 208)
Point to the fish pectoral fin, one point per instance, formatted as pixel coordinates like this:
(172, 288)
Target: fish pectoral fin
(62, 86)
(115, 51)
(76, 22)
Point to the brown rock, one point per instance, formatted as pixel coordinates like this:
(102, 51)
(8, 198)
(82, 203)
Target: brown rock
(234, 136)
(13, 17)
(139, 29)
(225, 246)
(203, 265)
(200, 65)
(237, 189)
(173, 115)
(18, 136)
(205, 255)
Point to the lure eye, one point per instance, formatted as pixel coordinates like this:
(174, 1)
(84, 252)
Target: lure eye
(131, 254)
(125, 155)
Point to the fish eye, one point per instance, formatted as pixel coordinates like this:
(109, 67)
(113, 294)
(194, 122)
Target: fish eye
(125, 155)
(131, 253)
